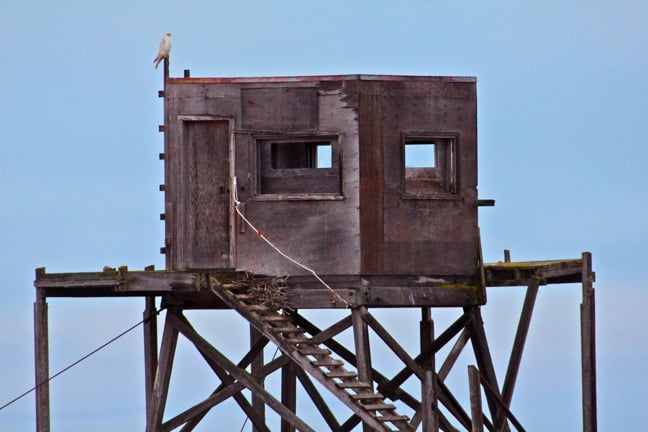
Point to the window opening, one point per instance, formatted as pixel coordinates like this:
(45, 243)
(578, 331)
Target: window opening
(324, 156)
(299, 165)
(420, 154)
(292, 155)
(429, 166)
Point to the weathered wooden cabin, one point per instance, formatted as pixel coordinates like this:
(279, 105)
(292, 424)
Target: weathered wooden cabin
(362, 189)
(351, 175)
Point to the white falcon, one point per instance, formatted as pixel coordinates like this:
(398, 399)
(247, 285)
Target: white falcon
(165, 49)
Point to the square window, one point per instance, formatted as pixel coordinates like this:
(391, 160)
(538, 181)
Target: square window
(299, 165)
(429, 165)
(420, 154)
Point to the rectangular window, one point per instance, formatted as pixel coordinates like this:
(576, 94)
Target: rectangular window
(299, 165)
(290, 155)
(429, 165)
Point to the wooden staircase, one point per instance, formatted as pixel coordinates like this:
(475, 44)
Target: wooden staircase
(317, 361)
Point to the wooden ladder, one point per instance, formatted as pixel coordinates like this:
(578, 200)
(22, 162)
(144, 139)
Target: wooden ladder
(317, 361)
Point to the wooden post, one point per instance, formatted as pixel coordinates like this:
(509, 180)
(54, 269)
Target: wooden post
(428, 388)
(150, 347)
(288, 393)
(41, 351)
(485, 364)
(363, 353)
(475, 399)
(256, 366)
(157, 402)
(166, 71)
(588, 346)
(519, 342)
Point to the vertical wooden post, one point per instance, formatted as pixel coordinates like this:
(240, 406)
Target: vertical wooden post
(166, 71)
(150, 347)
(519, 342)
(485, 363)
(256, 366)
(288, 393)
(428, 388)
(363, 352)
(588, 346)
(157, 402)
(476, 411)
(41, 351)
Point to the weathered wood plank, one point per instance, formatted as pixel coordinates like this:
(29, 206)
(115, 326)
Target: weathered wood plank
(101, 284)
(255, 366)
(150, 347)
(242, 376)
(280, 109)
(205, 215)
(429, 406)
(518, 343)
(372, 182)
(475, 399)
(41, 355)
(588, 345)
(157, 402)
(317, 399)
(289, 393)
(362, 349)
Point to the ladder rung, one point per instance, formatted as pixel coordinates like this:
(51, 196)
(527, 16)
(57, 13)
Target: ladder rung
(328, 362)
(354, 384)
(301, 340)
(340, 374)
(315, 351)
(274, 318)
(288, 330)
(392, 418)
(379, 406)
(367, 396)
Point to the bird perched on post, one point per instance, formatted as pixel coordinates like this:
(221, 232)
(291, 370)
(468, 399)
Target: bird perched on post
(165, 49)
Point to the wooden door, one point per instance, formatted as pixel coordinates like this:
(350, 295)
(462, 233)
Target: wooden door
(206, 198)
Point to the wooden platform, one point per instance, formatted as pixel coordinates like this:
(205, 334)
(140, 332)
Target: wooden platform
(188, 289)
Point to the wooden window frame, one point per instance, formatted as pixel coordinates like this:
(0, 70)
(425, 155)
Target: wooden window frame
(276, 184)
(438, 182)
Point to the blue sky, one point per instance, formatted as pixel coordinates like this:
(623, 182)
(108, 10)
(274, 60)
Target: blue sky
(562, 96)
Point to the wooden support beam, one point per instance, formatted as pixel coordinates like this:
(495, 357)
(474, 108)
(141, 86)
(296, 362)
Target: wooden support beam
(41, 355)
(244, 363)
(519, 342)
(150, 346)
(451, 403)
(435, 346)
(363, 353)
(475, 399)
(453, 355)
(257, 418)
(414, 366)
(493, 394)
(289, 393)
(192, 416)
(246, 379)
(256, 365)
(485, 364)
(429, 407)
(588, 346)
(157, 402)
(317, 399)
